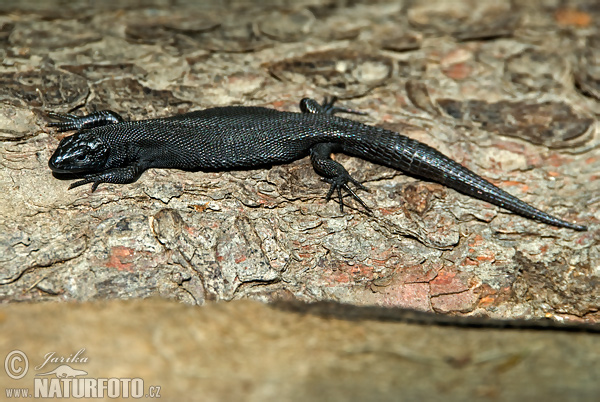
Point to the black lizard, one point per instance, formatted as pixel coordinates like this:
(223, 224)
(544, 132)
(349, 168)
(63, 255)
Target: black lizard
(107, 149)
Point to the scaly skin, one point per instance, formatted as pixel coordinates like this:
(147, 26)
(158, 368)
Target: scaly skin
(107, 149)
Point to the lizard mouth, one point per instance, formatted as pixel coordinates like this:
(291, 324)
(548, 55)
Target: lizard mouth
(57, 168)
(57, 165)
(79, 153)
(54, 163)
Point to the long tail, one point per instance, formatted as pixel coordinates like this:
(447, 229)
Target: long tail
(418, 159)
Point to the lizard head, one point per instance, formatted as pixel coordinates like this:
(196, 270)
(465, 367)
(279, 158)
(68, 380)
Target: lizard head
(79, 152)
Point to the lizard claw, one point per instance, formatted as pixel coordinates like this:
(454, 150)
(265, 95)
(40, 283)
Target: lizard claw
(82, 182)
(328, 107)
(94, 179)
(341, 182)
(68, 122)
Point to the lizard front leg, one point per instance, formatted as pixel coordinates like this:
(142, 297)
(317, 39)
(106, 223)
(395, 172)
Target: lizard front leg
(122, 175)
(72, 122)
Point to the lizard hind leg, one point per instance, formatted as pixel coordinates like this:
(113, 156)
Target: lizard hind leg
(308, 105)
(335, 174)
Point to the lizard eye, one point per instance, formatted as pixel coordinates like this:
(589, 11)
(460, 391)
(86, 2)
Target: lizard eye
(80, 152)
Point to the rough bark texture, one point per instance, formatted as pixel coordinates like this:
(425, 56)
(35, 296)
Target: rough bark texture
(510, 90)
